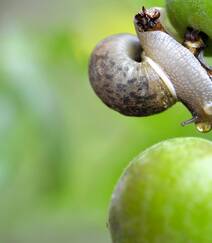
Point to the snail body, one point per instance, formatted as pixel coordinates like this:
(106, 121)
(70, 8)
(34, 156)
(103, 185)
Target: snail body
(191, 82)
(144, 75)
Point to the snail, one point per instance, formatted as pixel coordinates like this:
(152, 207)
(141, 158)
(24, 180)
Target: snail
(146, 74)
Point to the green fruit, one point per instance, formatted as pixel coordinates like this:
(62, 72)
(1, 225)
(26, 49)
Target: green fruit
(165, 195)
(196, 14)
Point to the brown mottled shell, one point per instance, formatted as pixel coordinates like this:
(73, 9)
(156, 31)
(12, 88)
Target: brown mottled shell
(123, 81)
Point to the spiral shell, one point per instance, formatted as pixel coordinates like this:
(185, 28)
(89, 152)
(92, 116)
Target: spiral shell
(124, 79)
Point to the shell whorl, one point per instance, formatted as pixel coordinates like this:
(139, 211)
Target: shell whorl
(126, 81)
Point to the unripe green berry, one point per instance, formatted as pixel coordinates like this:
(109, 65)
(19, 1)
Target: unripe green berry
(165, 195)
(196, 14)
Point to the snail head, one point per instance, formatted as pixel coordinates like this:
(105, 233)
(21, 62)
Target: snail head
(148, 20)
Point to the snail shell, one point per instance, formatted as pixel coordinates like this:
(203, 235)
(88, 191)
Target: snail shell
(126, 81)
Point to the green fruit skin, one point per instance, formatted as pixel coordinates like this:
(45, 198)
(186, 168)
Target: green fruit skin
(165, 195)
(196, 14)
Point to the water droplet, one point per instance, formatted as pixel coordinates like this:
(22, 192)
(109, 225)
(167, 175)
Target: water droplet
(203, 126)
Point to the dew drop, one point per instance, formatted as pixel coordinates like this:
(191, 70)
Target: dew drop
(203, 127)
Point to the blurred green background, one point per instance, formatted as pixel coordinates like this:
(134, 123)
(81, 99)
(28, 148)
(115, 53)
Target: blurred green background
(61, 149)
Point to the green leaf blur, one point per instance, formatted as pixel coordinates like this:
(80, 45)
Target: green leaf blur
(61, 149)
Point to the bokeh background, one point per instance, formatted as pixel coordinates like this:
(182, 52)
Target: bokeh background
(61, 149)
